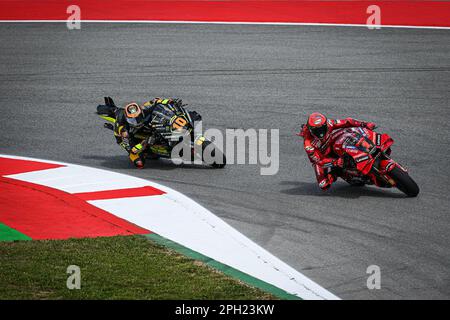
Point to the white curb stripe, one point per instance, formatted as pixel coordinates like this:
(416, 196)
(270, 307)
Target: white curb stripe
(77, 179)
(230, 22)
(179, 219)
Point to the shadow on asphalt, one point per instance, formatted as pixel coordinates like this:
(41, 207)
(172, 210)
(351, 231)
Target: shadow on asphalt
(122, 162)
(340, 190)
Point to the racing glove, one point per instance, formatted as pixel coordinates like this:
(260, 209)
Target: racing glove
(369, 125)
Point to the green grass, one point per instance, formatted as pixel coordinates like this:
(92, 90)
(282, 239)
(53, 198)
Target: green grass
(129, 267)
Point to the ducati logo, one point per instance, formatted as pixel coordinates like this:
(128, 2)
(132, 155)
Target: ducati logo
(363, 158)
(378, 139)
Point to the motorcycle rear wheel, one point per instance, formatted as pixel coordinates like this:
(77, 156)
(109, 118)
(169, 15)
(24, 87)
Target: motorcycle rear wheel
(404, 182)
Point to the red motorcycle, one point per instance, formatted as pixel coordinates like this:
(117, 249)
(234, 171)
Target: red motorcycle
(366, 160)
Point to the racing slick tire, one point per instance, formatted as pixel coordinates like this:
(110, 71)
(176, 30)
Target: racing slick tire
(404, 182)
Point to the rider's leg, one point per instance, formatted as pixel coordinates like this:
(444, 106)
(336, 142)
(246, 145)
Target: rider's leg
(137, 160)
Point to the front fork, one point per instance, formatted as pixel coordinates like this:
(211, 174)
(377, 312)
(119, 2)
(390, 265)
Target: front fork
(385, 166)
(197, 147)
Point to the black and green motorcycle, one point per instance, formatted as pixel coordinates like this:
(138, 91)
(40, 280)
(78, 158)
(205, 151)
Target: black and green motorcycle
(170, 124)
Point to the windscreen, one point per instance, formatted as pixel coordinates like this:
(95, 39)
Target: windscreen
(162, 114)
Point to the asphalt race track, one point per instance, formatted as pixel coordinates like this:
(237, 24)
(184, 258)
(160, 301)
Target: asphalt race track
(259, 77)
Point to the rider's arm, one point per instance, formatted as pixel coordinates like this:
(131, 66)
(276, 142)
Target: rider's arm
(151, 102)
(313, 153)
(316, 157)
(121, 132)
(350, 122)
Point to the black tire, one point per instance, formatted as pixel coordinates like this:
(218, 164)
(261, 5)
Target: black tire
(213, 153)
(404, 182)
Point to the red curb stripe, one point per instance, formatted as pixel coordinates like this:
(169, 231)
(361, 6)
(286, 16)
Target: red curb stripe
(41, 212)
(119, 193)
(10, 166)
(401, 12)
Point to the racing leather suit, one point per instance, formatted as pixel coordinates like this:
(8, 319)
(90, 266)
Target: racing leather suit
(126, 134)
(320, 152)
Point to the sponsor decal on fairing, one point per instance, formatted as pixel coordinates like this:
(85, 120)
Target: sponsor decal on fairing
(378, 139)
(361, 159)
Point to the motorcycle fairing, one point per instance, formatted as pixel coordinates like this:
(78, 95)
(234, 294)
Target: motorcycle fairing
(363, 146)
(383, 141)
(109, 119)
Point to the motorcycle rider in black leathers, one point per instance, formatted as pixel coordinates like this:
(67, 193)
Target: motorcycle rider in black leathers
(133, 120)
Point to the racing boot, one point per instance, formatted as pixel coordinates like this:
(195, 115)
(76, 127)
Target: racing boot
(138, 161)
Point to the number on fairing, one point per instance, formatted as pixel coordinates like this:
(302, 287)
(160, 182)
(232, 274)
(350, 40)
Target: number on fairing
(179, 123)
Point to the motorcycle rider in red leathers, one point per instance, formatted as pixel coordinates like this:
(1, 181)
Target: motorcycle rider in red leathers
(319, 141)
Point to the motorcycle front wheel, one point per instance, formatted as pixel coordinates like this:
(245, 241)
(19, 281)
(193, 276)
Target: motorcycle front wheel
(220, 159)
(404, 182)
